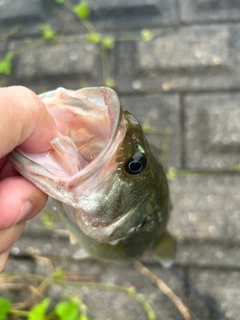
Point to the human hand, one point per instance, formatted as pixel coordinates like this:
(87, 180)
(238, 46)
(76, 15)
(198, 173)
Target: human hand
(25, 122)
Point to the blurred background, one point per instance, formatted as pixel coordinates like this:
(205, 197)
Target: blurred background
(175, 65)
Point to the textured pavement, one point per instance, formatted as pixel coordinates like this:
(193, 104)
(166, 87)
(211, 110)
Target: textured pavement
(184, 86)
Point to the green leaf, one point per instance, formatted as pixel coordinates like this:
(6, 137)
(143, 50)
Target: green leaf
(171, 173)
(47, 31)
(6, 64)
(82, 10)
(5, 306)
(59, 274)
(39, 311)
(67, 310)
(59, 1)
(146, 35)
(47, 217)
(94, 37)
(108, 42)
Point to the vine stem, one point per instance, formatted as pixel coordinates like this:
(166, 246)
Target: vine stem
(19, 313)
(28, 46)
(10, 33)
(183, 309)
(97, 285)
(105, 63)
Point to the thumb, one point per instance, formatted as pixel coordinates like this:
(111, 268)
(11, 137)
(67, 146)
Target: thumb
(25, 121)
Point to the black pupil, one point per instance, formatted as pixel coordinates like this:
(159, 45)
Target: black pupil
(136, 164)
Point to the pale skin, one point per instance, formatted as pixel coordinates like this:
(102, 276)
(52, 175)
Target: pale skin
(25, 123)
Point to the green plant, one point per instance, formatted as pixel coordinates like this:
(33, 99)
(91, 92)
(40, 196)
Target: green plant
(63, 310)
(47, 32)
(105, 43)
(6, 64)
(71, 307)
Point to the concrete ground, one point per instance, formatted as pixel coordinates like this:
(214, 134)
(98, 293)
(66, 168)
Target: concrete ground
(184, 86)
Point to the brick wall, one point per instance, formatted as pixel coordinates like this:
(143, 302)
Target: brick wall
(184, 86)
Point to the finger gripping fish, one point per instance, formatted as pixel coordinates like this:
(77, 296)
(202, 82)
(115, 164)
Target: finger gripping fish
(110, 190)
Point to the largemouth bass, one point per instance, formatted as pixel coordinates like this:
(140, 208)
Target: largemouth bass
(110, 190)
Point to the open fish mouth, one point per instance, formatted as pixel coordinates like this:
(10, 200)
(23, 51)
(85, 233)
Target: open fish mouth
(94, 125)
(94, 119)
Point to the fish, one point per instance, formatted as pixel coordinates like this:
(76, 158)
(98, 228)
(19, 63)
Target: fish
(105, 182)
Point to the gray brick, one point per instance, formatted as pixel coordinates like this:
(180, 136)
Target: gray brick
(208, 253)
(209, 10)
(122, 305)
(189, 58)
(206, 207)
(28, 15)
(62, 20)
(212, 130)
(127, 276)
(185, 48)
(56, 59)
(66, 63)
(21, 9)
(20, 265)
(51, 242)
(48, 244)
(17, 28)
(132, 14)
(161, 114)
(221, 290)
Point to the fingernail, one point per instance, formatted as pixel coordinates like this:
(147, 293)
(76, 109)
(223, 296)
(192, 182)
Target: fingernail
(27, 208)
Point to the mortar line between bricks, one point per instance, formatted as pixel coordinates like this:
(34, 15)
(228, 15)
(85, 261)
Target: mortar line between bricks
(178, 13)
(206, 23)
(209, 267)
(183, 131)
(205, 91)
(205, 267)
(185, 283)
(183, 92)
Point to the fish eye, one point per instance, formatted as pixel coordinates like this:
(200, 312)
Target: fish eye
(136, 164)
